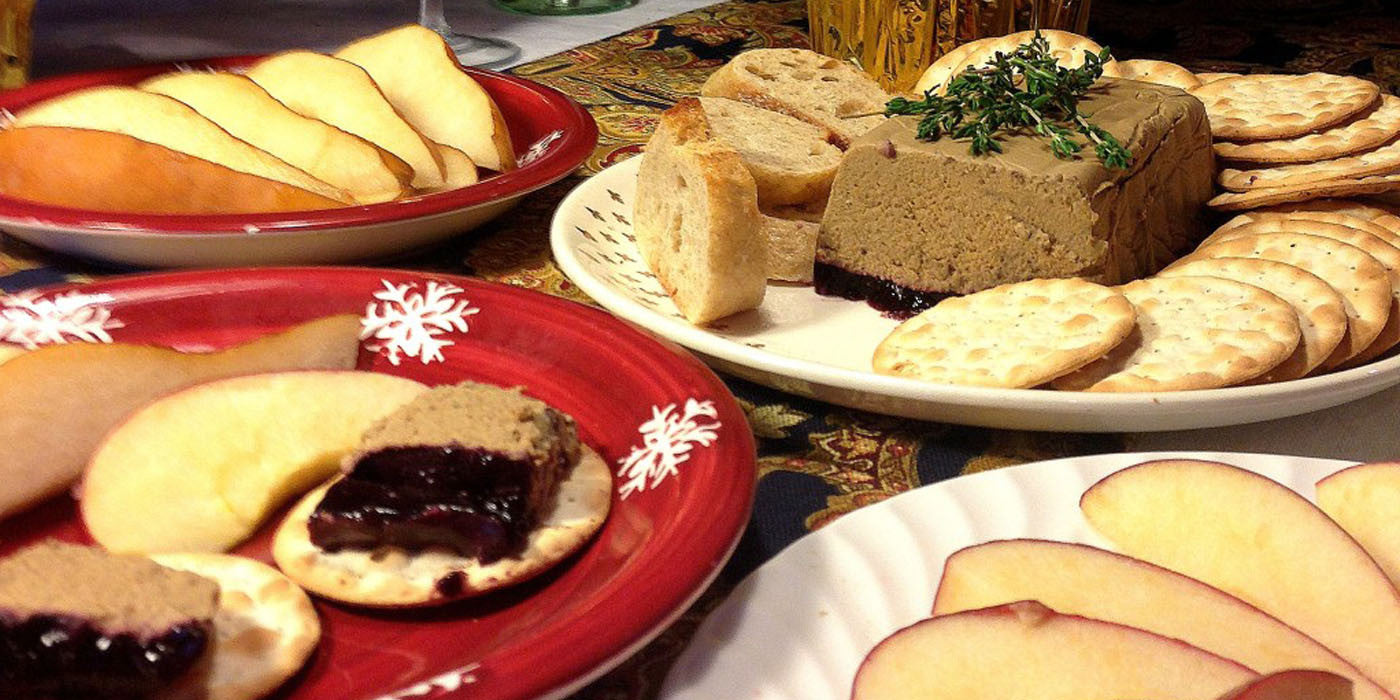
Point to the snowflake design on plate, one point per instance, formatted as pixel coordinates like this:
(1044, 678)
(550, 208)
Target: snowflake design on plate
(667, 440)
(29, 320)
(444, 683)
(538, 148)
(406, 323)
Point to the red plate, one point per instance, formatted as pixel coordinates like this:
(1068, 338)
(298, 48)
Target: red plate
(661, 545)
(557, 128)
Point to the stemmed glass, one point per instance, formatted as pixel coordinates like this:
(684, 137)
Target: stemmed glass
(564, 7)
(470, 50)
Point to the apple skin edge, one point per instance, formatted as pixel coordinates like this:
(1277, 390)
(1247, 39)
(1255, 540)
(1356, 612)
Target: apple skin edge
(1294, 685)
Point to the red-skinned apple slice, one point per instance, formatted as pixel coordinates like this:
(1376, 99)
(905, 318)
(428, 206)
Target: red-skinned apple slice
(1295, 685)
(1076, 579)
(200, 469)
(1255, 539)
(1026, 650)
(1365, 501)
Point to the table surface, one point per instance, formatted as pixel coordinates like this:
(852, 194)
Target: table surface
(816, 461)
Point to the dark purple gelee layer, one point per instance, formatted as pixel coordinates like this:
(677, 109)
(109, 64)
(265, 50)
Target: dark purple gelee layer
(45, 656)
(471, 501)
(892, 299)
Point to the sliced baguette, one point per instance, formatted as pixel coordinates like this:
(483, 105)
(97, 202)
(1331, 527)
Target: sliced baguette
(804, 84)
(697, 222)
(168, 122)
(107, 171)
(791, 161)
(246, 111)
(792, 248)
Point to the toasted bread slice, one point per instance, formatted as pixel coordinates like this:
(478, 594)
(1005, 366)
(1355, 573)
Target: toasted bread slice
(696, 218)
(168, 122)
(792, 162)
(343, 95)
(423, 80)
(369, 173)
(804, 84)
(107, 171)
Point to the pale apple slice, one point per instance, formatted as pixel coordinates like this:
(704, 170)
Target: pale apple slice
(243, 109)
(1026, 650)
(1365, 501)
(167, 122)
(1295, 685)
(60, 400)
(421, 77)
(1255, 539)
(343, 95)
(460, 169)
(9, 352)
(200, 469)
(1077, 579)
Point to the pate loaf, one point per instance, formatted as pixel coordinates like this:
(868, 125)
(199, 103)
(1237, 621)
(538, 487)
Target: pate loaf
(917, 220)
(696, 220)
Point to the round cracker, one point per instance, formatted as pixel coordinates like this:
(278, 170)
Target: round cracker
(1274, 106)
(1193, 333)
(1212, 77)
(1067, 47)
(1321, 315)
(1384, 246)
(1350, 207)
(1326, 216)
(1371, 184)
(1363, 281)
(1364, 132)
(1147, 71)
(264, 629)
(1015, 336)
(1385, 159)
(390, 577)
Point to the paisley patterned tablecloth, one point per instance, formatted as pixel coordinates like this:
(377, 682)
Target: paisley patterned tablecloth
(817, 461)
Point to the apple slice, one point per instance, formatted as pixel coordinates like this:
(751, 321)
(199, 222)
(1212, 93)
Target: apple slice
(167, 122)
(1255, 539)
(460, 169)
(1295, 685)
(1026, 650)
(1365, 501)
(246, 111)
(60, 400)
(200, 469)
(342, 94)
(421, 77)
(9, 352)
(1076, 579)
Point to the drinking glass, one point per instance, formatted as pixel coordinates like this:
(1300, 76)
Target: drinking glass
(563, 7)
(470, 50)
(15, 35)
(895, 40)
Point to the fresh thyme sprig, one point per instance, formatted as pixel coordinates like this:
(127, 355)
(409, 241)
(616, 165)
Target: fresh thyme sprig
(1024, 89)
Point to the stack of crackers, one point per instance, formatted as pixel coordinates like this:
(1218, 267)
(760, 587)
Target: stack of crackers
(1269, 296)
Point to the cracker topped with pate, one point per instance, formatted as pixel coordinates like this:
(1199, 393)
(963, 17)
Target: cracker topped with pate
(466, 489)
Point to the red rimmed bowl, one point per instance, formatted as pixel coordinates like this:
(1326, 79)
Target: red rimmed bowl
(552, 135)
(633, 396)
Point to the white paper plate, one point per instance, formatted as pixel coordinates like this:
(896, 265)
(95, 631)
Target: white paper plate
(816, 346)
(799, 626)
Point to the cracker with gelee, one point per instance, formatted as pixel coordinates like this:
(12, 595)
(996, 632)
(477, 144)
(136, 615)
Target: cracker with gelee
(1385, 159)
(1193, 333)
(1321, 315)
(1016, 335)
(1363, 133)
(1362, 280)
(1282, 106)
(1147, 71)
(1371, 184)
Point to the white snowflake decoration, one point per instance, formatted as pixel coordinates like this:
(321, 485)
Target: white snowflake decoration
(537, 149)
(29, 320)
(443, 683)
(666, 443)
(412, 324)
